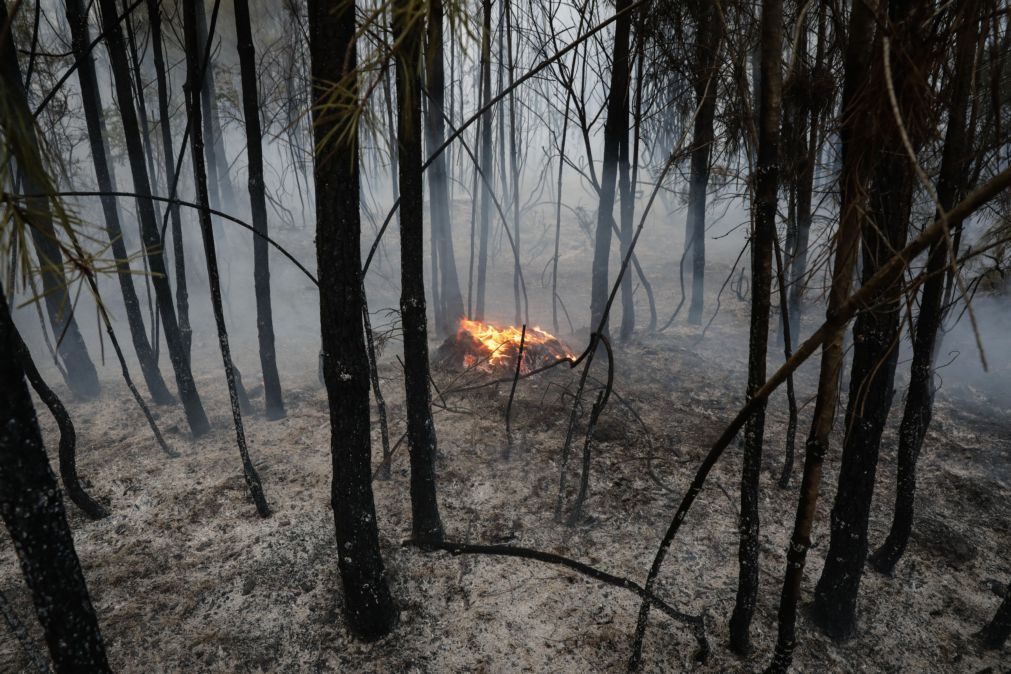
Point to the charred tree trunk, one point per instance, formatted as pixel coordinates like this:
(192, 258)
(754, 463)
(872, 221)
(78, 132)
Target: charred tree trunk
(486, 162)
(371, 613)
(194, 84)
(32, 508)
(92, 103)
(168, 155)
(920, 396)
(82, 378)
(513, 166)
(408, 29)
(626, 212)
(68, 434)
(708, 38)
(807, 105)
(876, 331)
(273, 400)
(615, 126)
(221, 192)
(195, 415)
(438, 183)
(764, 209)
(854, 143)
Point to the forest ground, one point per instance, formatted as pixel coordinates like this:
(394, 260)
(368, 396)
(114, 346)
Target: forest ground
(185, 577)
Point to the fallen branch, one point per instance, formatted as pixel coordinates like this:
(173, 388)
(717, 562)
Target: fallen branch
(697, 622)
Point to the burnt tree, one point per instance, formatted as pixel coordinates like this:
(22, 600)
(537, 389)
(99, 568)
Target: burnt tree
(371, 612)
(31, 505)
(178, 354)
(408, 31)
(920, 395)
(273, 400)
(876, 329)
(91, 101)
(82, 378)
(855, 140)
(615, 126)
(450, 297)
(766, 186)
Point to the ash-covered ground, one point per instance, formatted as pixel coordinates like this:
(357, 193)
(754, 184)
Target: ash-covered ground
(185, 577)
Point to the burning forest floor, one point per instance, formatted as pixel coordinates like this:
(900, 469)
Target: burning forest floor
(185, 577)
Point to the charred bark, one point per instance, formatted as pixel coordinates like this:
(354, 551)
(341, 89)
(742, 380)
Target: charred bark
(408, 29)
(32, 508)
(195, 415)
(273, 400)
(854, 143)
(920, 396)
(92, 103)
(371, 612)
(765, 200)
(438, 184)
(194, 82)
(707, 40)
(82, 378)
(615, 126)
(876, 331)
(486, 161)
(168, 154)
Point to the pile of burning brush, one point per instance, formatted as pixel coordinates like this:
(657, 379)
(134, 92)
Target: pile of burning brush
(485, 347)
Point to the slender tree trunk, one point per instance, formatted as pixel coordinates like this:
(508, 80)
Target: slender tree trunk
(920, 397)
(369, 606)
(854, 143)
(408, 29)
(513, 166)
(195, 415)
(168, 155)
(764, 209)
(626, 212)
(32, 508)
(221, 192)
(876, 330)
(92, 103)
(615, 126)
(438, 183)
(193, 77)
(68, 434)
(486, 162)
(273, 400)
(82, 378)
(707, 48)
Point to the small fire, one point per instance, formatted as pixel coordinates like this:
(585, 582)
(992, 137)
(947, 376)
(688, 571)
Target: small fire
(490, 347)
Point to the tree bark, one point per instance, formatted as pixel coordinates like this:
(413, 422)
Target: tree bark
(997, 631)
(709, 36)
(408, 29)
(193, 77)
(82, 378)
(221, 192)
(854, 144)
(168, 155)
(920, 396)
(876, 330)
(486, 162)
(32, 508)
(371, 612)
(91, 101)
(615, 126)
(766, 194)
(438, 184)
(195, 415)
(273, 400)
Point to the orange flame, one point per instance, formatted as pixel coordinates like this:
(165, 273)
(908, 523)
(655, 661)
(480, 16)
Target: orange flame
(501, 345)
